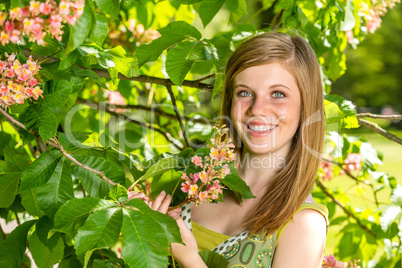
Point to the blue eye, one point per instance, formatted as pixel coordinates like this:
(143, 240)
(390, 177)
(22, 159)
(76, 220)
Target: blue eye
(278, 95)
(244, 94)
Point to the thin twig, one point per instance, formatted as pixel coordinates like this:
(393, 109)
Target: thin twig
(259, 11)
(155, 80)
(41, 145)
(350, 214)
(205, 78)
(3, 234)
(181, 204)
(50, 56)
(84, 194)
(379, 116)
(67, 155)
(17, 218)
(144, 108)
(100, 254)
(277, 20)
(349, 174)
(376, 128)
(176, 110)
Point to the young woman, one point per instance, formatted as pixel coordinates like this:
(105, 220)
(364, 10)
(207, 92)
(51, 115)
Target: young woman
(274, 97)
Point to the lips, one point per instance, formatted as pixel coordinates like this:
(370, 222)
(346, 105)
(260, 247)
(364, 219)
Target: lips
(260, 127)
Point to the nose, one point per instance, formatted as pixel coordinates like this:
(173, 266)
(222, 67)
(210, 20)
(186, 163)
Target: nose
(259, 106)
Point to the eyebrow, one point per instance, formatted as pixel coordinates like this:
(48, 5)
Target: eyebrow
(270, 87)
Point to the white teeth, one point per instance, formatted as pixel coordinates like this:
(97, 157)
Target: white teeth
(260, 128)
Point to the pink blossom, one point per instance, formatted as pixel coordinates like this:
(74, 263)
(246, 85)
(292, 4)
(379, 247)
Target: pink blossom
(195, 177)
(185, 186)
(202, 196)
(3, 17)
(214, 154)
(34, 7)
(353, 162)
(349, 36)
(45, 8)
(197, 160)
(9, 26)
(203, 176)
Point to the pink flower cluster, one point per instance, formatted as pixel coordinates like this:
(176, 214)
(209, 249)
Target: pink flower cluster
(38, 19)
(114, 97)
(372, 14)
(129, 32)
(205, 185)
(331, 262)
(18, 81)
(353, 162)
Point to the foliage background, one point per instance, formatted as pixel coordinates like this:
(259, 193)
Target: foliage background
(88, 73)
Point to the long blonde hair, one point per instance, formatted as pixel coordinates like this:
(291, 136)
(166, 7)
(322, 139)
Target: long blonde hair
(292, 184)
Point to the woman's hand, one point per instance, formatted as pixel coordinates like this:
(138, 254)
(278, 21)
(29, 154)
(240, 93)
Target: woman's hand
(186, 255)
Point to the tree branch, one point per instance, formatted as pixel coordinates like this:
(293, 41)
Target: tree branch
(67, 155)
(350, 214)
(144, 108)
(378, 116)
(53, 142)
(349, 174)
(176, 110)
(376, 128)
(155, 80)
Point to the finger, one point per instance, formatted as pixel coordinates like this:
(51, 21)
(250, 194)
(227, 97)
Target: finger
(163, 208)
(158, 200)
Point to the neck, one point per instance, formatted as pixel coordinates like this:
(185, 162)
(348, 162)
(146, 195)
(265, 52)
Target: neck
(259, 170)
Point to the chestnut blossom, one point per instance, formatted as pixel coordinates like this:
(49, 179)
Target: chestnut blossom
(19, 81)
(205, 185)
(331, 262)
(353, 162)
(38, 19)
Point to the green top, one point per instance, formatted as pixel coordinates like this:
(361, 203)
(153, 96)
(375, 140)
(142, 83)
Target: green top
(242, 250)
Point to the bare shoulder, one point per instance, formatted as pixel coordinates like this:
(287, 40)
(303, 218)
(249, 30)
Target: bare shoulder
(302, 241)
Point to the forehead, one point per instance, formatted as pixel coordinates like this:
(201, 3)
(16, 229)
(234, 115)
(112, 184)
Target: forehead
(266, 75)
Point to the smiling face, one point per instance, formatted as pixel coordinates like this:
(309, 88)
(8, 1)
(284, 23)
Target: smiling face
(266, 109)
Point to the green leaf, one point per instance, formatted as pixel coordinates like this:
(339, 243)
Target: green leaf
(80, 31)
(40, 171)
(110, 7)
(72, 140)
(174, 32)
(74, 212)
(180, 59)
(100, 29)
(160, 167)
(43, 256)
(93, 184)
(189, 2)
(213, 259)
(43, 229)
(69, 60)
(13, 248)
(340, 113)
(39, 116)
(123, 64)
(10, 173)
(118, 193)
(101, 230)
(170, 182)
(29, 200)
(237, 7)
(58, 93)
(238, 186)
(208, 9)
(58, 190)
(18, 3)
(350, 21)
(142, 227)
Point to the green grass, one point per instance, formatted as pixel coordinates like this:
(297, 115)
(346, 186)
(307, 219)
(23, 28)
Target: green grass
(363, 197)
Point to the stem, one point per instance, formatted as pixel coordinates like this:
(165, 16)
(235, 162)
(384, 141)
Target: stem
(179, 205)
(349, 174)
(100, 173)
(83, 190)
(378, 116)
(258, 12)
(100, 254)
(376, 128)
(277, 20)
(204, 78)
(48, 57)
(140, 107)
(173, 261)
(41, 145)
(176, 110)
(350, 214)
(154, 80)
(3, 234)
(17, 218)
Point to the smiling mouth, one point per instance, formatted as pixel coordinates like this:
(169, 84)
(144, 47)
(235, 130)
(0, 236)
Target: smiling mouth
(260, 128)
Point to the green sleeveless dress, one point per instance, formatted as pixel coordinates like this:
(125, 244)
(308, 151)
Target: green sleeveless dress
(242, 250)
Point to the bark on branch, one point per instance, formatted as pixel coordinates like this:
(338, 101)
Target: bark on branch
(378, 116)
(350, 214)
(376, 128)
